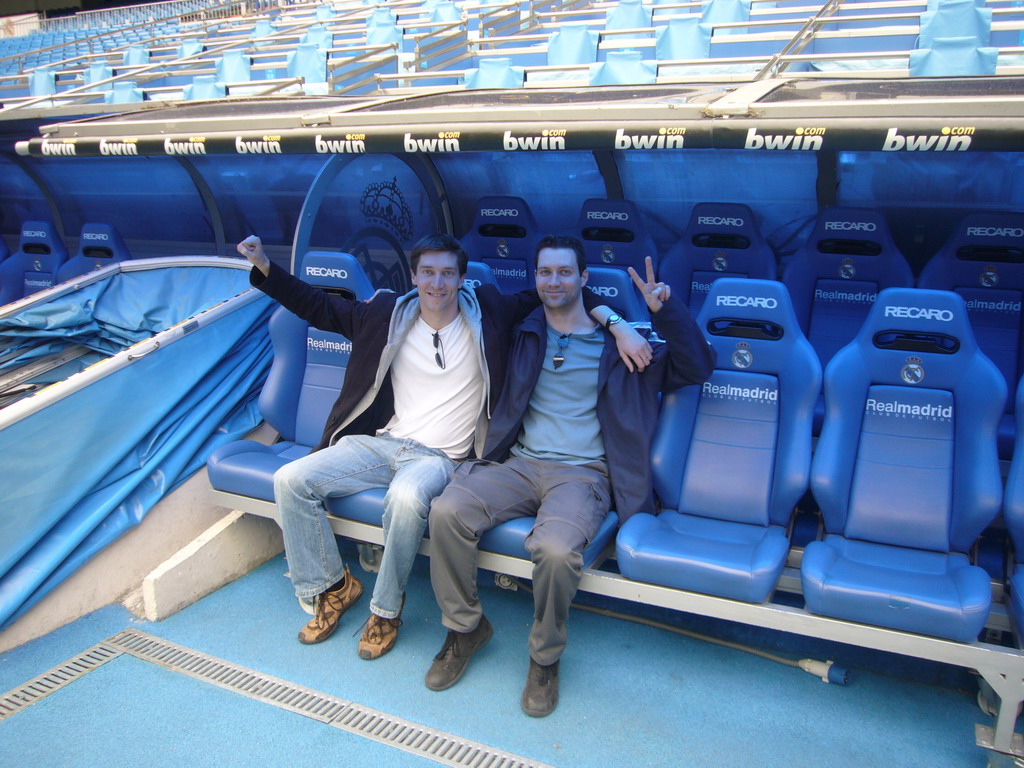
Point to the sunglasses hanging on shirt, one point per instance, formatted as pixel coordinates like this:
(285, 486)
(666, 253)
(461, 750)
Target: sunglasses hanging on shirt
(438, 350)
(563, 343)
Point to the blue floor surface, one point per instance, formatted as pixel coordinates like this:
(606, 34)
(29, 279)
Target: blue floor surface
(631, 695)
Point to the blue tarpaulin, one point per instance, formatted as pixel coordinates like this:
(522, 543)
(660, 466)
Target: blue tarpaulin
(85, 460)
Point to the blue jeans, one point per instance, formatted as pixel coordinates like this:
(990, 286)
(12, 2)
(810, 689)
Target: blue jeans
(413, 474)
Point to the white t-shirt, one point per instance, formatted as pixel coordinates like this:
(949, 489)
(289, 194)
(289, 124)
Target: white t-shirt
(436, 406)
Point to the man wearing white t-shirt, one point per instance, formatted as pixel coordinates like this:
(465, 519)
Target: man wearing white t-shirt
(424, 372)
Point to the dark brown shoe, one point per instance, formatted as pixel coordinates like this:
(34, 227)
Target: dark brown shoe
(540, 695)
(459, 647)
(328, 607)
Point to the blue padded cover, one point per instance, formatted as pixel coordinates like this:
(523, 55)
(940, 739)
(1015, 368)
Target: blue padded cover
(504, 236)
(623, 68)
(33, 267)
(834, 278)
(234, 67)
(309, 62)
(619, 291)
(571, 44)
(304, 381)
(906, 471)
(983, 261)
(495, 73)
(721, 240)
(205, 88)
(628, 14)
(683, 38)
(614, 235)
(99, 246)
(956, 18)
(731, 458)
(953, 57)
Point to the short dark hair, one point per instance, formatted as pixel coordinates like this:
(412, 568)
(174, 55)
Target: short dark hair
(564, 241)
(439, 243)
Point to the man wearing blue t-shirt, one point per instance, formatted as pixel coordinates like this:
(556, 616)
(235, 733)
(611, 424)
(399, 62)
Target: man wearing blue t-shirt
(572, 431)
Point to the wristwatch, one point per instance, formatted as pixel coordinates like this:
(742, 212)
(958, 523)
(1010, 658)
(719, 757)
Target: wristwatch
(613, 318)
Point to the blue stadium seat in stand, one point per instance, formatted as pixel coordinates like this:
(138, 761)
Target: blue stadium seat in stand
(33, 267)
(732, 457)
(304, 381)
(906, 471)
(721, 240)
(99, 246)
(983, 261)
(504, 236)
(835, 277)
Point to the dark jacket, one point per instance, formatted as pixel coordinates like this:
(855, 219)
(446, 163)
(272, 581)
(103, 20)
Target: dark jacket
(367, 324)
(627, 403)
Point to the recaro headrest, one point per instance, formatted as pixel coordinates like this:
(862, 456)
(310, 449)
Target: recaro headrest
(39, 239)
(750, 323)
(985, 251)
(614, 235)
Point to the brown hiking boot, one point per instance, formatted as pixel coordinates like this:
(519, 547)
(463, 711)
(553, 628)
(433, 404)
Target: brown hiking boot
(328, 607)
(379, 634)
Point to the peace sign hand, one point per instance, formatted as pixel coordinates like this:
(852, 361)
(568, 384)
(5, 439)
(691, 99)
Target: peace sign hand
(654, 293)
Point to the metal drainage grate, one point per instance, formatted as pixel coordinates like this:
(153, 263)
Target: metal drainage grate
(17, 699)
(339, 713)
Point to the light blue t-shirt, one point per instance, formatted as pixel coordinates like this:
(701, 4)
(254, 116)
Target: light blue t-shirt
(561, 423)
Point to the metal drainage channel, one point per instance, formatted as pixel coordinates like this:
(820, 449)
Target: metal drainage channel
(362, 721)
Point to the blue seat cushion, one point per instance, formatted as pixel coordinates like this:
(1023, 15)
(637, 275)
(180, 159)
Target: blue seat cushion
(717, 557)
(247, 468)
(931, 593)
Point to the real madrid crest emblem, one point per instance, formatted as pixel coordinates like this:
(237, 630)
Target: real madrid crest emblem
(607, 254)
(503, 249)
(720, 263)
(989, 277)
(912, 372)
(847, 269)
(742, 357)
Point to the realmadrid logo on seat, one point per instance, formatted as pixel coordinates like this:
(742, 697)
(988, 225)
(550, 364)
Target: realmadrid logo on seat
(37, 265)
(912, 372)
(990, 277)
(720, 263)
(847, 269)
(502, 249)
(607, 254)
(742, 357)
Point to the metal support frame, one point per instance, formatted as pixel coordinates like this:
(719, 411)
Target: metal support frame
(1001, 667)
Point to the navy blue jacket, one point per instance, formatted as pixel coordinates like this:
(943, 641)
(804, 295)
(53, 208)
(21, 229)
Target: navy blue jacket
(627, 403)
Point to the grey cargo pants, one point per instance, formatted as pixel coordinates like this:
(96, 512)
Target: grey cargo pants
(569, 503)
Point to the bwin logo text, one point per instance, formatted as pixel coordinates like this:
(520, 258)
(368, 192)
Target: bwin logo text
(624, 141)
(511, 142)
(894, 143)
(118, 147)
(767, 141)
(243, 147)
(430, 145)
(338, 146)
